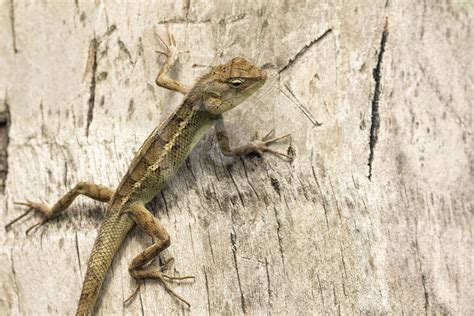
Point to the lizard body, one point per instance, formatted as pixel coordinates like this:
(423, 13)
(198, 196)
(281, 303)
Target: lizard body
(158, 159)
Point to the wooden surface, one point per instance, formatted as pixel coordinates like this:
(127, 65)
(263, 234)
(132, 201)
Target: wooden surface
(388, 80)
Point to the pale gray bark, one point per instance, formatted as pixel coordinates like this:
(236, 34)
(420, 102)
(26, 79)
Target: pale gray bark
(260, 235)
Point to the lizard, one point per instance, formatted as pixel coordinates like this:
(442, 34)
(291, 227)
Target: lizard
(160, 156)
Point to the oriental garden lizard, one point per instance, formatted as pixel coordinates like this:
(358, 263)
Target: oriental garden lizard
(158, 159)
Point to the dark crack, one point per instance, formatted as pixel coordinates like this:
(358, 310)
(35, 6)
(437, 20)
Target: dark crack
(335, 199)
(12, 23)
(124, 49)
(207, 291)
(165, 203)
(142, 309)
(234, 254)
(427, 302)
(187, 8)
(293, 99)
(192, 239)
(229, 168)
(188, 165)
(436, 89)
(210, 247)
(248, 180)
(320, 289)
(269, 288)
(323, 202)
(300, 53)
(375, 117)
(183, 20)
(343, 263)
(17, 289)
(4, 141)
(335, 298)
(276, 185)
(280, 239)
(91, 102)
(78, 256)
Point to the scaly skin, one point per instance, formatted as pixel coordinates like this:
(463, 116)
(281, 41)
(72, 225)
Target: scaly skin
(160, 156)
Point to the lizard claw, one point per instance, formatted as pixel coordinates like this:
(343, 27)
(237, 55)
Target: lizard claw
(41, 207)
(7, 226)
(35, 226)
(260, 146)
(132, 296)
(171, 49)
(157, 273)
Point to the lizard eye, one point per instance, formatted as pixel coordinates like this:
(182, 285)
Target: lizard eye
(236, 82)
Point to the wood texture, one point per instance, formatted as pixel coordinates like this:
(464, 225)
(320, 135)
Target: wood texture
(388, 80)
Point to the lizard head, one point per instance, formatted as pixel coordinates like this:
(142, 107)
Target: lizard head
(228, 85)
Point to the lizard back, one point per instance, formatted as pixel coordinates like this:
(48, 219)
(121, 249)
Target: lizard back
(162, 153)
(156, 161)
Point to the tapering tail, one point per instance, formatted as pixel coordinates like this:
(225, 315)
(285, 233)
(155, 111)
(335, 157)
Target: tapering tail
(111, 235)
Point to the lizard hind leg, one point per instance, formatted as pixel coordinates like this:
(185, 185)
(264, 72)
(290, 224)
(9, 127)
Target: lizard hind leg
(94, 191)
(140, 268)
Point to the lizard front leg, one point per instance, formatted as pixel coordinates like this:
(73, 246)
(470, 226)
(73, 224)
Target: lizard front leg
(94, 191)
(152, 226)
(257, 146)
(162, 79)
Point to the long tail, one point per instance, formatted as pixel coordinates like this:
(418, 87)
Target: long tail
(111, 235)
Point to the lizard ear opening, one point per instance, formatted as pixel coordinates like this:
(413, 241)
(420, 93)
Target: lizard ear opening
(216, 105)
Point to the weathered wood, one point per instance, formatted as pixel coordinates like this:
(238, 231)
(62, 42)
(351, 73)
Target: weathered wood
(387, 80)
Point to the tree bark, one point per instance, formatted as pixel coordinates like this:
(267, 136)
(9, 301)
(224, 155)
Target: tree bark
(375, 214)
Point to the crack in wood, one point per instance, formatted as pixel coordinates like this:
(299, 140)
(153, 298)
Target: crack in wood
(186, 8)
(280, 239)
(183, 21)
(91, 102)
(248, 180)
(229, 168)
(141, 303)
(234, 255)
(269, 288)
(293, 99)
(320, 288)
(210, 247)
(426, 296)
(323, 202)
(12, 24)
(162, 193)
(188, 165)
(207, 291)
(335, 199)
(78, 256)
(192, 239)
(4, 141)
(15, 281)
(300, 53)
(275, 185)
(375, 116)
(436, 89)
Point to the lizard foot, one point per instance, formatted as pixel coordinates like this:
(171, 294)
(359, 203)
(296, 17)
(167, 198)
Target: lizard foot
(157, 273)
(170, 46)
(41, 207)
(259, 146)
